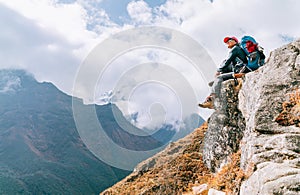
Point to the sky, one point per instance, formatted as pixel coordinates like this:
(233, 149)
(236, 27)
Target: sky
(52, 39)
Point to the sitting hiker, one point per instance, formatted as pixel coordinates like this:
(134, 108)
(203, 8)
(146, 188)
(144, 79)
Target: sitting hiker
(233, 67)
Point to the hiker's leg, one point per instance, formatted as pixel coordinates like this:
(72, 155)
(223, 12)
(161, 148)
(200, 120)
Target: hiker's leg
(216, 88)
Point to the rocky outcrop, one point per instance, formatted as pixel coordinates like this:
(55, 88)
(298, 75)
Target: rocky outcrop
(272, 149)
(264, 115)
(225, 127)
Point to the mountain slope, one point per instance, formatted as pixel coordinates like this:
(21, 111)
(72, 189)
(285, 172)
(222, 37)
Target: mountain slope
(40, 149)
(168, 172)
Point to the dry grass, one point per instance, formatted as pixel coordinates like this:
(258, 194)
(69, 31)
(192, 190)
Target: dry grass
(174, 177)
(228, 179)
(181, 174)
(290, 114)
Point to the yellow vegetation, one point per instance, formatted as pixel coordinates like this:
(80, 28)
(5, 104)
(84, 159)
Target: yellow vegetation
(290, 114)
(174, 177)
(182, 173)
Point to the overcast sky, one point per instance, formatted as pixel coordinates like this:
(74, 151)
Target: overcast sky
(52, 38)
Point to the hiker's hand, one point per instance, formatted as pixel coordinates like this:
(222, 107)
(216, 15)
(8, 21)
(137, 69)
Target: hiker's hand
(239, 75)
(217, 74)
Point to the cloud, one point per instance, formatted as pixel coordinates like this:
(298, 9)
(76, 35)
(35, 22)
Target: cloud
(209, 22)
(65, 19)
(24, 44)
(135, 66)
(48, 39)
(95, 17)
(51, 38)
(9, 84)
(140, 12)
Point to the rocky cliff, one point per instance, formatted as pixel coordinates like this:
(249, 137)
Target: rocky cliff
(250, 144)
(270, 103)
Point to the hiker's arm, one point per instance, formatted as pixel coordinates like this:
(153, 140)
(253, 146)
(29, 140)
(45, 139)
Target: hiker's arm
(227, 62)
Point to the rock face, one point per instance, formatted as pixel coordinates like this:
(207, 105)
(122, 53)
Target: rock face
(272, 149)
(225, 127)
(255, 115)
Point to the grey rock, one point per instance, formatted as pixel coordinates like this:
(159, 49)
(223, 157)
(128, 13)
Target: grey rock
(245, 119)
(272, 149)
(273, 178)
(215, 192)
(225, 128)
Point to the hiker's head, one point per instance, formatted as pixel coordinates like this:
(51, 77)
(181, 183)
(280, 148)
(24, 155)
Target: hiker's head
(231, 41)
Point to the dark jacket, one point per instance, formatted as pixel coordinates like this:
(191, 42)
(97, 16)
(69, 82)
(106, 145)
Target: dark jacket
(237, 58)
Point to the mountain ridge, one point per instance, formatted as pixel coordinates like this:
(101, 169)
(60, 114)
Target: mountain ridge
(41, 151)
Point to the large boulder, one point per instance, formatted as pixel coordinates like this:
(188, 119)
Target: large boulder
(271, 149)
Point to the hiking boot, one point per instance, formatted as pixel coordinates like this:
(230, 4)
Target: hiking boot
(209, 103)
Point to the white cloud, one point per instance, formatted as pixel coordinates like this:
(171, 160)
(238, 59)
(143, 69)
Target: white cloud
(167, 85)
(140, 12)
(65, 19)
(51, 39)
(209, 22)
(9, 84)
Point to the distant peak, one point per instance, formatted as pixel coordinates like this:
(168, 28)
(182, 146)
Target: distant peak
(12, 80)
(22, 74)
